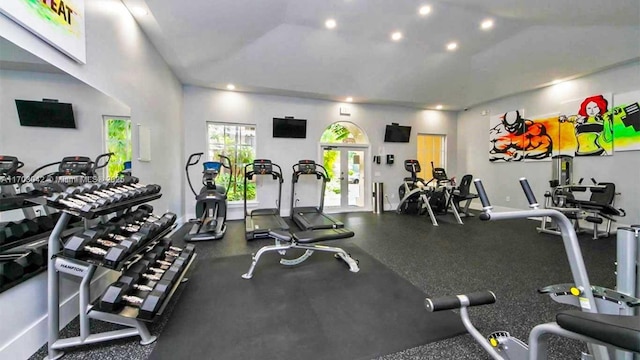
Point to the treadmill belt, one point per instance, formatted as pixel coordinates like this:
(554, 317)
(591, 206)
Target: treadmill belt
(259, 226)
(316, 220)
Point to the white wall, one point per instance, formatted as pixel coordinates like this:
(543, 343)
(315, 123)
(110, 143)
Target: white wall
(202, 105)
(122, 63)
(36, 146)
(501, 179)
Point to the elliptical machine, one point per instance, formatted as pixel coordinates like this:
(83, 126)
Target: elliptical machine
(418, 196)
(410, 190)
(211, 202)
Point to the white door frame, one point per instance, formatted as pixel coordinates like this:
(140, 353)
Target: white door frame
(367, 173)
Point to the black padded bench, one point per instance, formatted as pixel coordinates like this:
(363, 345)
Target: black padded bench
(617, 330)
(305, 240)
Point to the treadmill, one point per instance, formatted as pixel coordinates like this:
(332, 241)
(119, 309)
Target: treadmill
(259, 222)
(311, 217)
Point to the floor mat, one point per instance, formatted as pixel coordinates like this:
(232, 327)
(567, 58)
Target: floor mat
(315, 310)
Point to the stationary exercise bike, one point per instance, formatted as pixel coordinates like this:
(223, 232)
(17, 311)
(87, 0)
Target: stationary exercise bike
(211, 202)
(432, 197)
(607, 333)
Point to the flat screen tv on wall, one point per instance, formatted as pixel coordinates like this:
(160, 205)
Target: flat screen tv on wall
(45, 114)
(289, 128)
(397, 133)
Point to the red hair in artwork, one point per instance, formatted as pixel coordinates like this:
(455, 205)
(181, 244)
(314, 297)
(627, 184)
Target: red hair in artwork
(600, 101)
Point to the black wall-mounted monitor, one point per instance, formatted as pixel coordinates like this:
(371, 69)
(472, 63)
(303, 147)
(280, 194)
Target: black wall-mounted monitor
(397, 133)
(45, 114)
(289, 128)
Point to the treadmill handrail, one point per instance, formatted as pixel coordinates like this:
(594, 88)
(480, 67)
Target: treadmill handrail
(319, 174)
(276, 174)
(324, 175)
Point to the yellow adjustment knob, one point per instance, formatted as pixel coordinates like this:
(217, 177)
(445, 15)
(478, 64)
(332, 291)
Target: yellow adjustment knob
(493, 342)
(575, 291)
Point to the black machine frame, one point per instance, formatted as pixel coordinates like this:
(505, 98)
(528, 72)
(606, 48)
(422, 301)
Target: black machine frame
(259, 222)
(210, 221)
(311, 217)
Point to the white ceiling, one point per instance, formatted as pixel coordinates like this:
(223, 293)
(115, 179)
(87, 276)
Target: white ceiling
(283, 47)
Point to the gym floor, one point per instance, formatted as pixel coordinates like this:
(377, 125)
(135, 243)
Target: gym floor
(508, 257)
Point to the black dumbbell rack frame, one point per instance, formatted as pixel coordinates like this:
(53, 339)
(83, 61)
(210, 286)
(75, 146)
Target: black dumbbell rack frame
(18, 245)
(132, 312)
(86, 271)
(13, 200)
(36, 237)
(124, 262)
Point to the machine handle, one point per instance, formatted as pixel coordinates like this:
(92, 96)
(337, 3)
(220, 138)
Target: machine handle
(458, 301)
(102, 157)
(192, 162)
(228, 161)
(528, 193)
(34, 172)
(482, 194)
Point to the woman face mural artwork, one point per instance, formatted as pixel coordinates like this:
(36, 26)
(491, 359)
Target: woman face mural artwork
(592, 127)
(592, 109)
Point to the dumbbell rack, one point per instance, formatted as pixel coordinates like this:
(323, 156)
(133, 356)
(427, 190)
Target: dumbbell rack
(13, 201)
(85, 270)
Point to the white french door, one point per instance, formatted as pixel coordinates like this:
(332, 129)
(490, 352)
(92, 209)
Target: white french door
(346, 168)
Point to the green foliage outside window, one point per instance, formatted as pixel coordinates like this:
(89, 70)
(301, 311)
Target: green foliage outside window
(335, 133)
(237, 142)
(118, 143)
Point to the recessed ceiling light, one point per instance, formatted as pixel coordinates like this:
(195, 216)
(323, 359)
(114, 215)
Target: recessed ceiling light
(452, 46)
(231, 87)
(330, 23)
(396, 36)
(349, 99)
(438, 107)
(424, 10)
(140, 11)
(487, 24)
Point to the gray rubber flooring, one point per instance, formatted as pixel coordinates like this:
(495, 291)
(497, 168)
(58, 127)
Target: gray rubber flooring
(508, 257)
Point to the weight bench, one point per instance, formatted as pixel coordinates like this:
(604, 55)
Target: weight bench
(305, 240)
(599, 208)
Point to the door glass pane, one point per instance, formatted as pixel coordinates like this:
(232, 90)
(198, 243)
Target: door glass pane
(331, 162)
(356, 178)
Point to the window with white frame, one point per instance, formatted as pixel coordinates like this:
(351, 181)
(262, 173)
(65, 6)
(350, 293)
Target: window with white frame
(238, 143)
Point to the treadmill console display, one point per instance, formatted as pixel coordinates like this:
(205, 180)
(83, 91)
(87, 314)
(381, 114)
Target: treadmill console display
(262, 166)
(8, 164)
(307, 166)
(75, 165)
(412, 166)
(212, 165)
